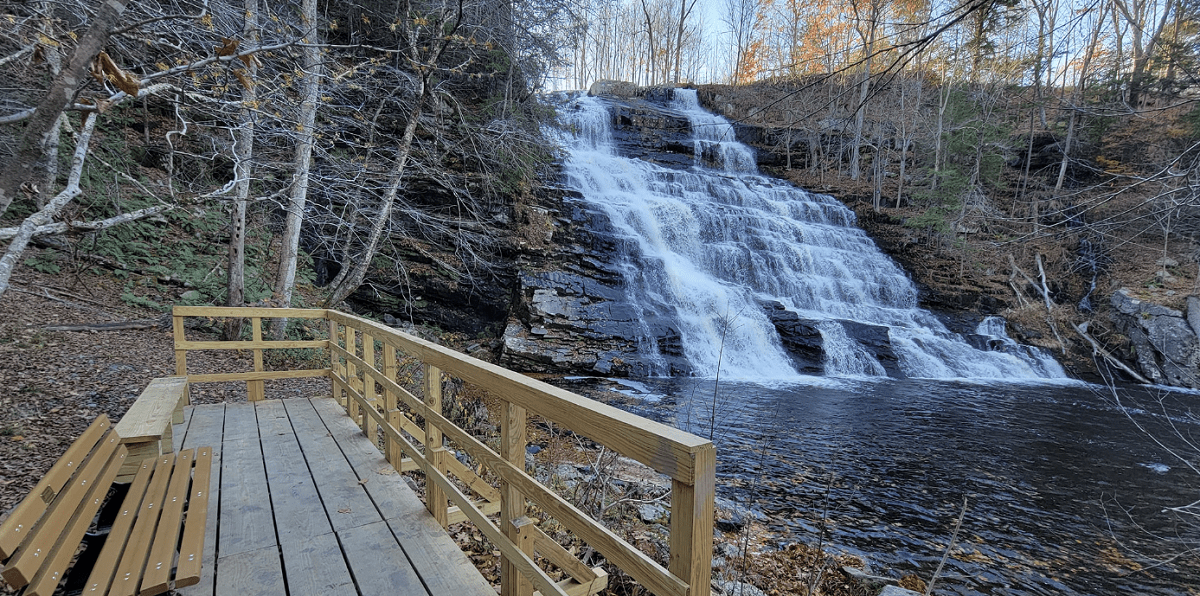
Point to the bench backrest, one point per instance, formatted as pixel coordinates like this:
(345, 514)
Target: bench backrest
(39, 538)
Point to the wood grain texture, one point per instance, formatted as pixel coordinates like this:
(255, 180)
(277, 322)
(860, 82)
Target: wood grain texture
(345, 500)
(691, 536)
(133, 560)
(51, 572)
(294, 498)
(38, 546)
(315, 566)
(378, 563)
(246, 522)
(206, 427)
(251, 573)
(157, 577)
(17, 526)
(150, 415)
(390, 493)
(114, 546)
(435, 556)
(193, 542)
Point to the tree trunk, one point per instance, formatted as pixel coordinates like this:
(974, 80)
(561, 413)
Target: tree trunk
(359, 269)
(864, 92)
(1078, 98)
(30, 154)
(285, 279)
(243, 150)
(685, 9)
(45, 215)
(943, 101)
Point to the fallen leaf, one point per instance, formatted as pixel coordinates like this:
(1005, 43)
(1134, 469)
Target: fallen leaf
(346, 510)
(363, 481)
(17, 438)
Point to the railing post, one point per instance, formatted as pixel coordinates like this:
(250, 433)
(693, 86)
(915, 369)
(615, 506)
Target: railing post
(336, 372)
(435, 497)
(254, 389)
(391, 412)
(180, 355)
(520, 531)
(692, 523)
(512, 502)
(352, 375)
(368, 423)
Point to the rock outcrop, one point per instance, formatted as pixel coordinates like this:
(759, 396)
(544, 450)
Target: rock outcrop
(1165, 343)
(570, 313)
(804, 342)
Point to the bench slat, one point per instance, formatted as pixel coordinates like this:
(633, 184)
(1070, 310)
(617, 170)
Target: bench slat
(191, 549)
(14, 529)
(51, 571)
(151, 414)
(106, 565)
(30, 556)
(162, 554)
(133, 561)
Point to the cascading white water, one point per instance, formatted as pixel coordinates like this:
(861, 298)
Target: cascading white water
(710, 243)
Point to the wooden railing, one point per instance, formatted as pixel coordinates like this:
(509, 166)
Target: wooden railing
(365, 362)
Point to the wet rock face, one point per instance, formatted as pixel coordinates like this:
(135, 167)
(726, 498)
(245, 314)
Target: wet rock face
(644, 131)
(571, 314)
(804, 343)
(1165, 342)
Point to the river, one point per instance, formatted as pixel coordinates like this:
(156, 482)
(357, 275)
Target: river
(1065, 494)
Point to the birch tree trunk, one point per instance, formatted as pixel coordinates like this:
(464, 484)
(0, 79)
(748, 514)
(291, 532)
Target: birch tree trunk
(285, 278)
(243, 152)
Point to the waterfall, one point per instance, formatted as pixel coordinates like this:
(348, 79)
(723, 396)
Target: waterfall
(707, 246)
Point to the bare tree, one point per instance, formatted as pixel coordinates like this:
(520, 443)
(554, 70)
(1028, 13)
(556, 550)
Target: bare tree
(43, 120)
(285, 278)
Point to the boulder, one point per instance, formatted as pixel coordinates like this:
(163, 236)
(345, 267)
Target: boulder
(800, 337)
(613, 89)
(1166, 345)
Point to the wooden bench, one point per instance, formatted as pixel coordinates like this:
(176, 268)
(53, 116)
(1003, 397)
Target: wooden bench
(145, 430)
(39, 539)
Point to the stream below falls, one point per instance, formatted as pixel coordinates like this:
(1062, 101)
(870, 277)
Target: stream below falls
(1065, 494)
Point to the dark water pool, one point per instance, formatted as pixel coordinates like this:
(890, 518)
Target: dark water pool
(1065, 494)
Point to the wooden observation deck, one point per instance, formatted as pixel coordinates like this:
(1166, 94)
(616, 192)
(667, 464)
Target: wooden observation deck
(307, 495)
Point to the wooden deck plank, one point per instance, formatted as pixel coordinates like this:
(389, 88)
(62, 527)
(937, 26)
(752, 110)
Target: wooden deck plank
(389, 491)
(240, 422)
(247, 523)
(437, 559)
(179, 432)
(344, 498)
(315, 567)
(378, 563)
(205, 426)
(294, 499)
(251, 573)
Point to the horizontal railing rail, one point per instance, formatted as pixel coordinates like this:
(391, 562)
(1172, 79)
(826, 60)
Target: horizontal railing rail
(365, 364)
